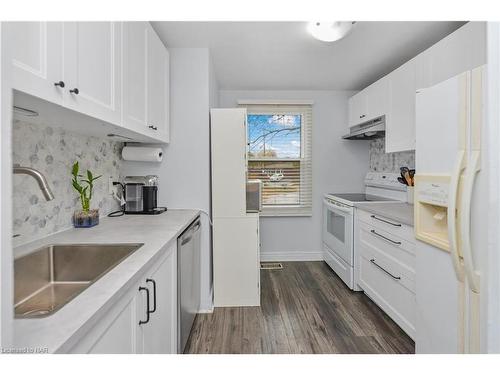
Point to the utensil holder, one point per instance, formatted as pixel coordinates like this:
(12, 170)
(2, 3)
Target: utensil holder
(409, 194)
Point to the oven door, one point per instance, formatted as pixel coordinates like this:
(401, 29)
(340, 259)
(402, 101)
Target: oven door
(338, 223)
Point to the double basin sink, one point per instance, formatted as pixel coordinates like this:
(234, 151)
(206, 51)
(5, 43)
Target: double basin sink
(47, 279)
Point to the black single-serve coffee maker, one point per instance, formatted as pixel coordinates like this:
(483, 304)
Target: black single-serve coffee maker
(141, 195)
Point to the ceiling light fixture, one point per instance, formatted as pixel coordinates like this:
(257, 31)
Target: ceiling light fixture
(330, 31)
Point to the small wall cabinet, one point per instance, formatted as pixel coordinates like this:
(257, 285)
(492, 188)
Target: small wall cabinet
(145, 81)
(400, 117)
(92, 69)
(369, 103)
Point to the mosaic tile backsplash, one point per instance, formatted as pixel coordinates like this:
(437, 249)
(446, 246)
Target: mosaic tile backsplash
(52, 151)
(382, 162)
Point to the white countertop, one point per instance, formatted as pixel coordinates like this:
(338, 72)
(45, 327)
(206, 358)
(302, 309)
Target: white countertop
(60, 331)
(399, 211)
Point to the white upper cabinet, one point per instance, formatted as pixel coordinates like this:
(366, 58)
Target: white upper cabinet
(92, 68)
(145, 81)
(369, 103)
(35, 52)
(135, 85)
(357, 108)
(115, 72)
(376, 99)
(462, 50)
(158, 86)
(394, 95)
(400, 120)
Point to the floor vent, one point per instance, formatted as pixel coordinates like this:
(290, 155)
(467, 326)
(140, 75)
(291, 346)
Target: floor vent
(271, 266)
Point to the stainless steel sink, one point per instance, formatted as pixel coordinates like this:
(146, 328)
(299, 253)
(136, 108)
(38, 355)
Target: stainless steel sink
(50, 277)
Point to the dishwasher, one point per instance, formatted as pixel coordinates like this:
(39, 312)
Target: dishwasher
(188, 281)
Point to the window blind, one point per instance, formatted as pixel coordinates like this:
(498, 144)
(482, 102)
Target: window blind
(280, 155)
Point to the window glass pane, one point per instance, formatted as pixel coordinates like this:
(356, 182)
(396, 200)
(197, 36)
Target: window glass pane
(280, 181)
(274, 136)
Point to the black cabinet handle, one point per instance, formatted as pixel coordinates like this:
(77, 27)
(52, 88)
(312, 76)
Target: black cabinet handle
(75, 91)
(385, 221)
(60, 84)
(154, 294)
(147, 308)
(383, 269)
(385, 238)
(152, 127)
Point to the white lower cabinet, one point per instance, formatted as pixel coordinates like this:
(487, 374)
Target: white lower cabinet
(144, 320)
(386, 267)
(159, 335)
(236, 261)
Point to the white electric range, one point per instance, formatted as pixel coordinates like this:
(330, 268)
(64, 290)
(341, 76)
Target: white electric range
(339, 217)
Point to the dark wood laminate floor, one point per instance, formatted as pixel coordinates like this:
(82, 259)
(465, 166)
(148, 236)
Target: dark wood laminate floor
(305, 308)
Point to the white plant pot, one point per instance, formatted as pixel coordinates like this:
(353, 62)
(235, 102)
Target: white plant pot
(409, 194)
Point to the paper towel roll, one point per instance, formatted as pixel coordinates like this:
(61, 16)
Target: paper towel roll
(154, 154)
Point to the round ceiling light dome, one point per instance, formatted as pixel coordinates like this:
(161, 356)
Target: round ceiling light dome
(330, 31)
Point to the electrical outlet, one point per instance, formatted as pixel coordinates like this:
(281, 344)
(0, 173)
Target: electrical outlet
(111, 188)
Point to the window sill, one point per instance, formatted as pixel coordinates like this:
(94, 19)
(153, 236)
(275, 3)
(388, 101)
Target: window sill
(292, 212)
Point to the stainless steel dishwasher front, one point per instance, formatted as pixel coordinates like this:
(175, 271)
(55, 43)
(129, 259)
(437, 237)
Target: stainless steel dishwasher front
(188, 281)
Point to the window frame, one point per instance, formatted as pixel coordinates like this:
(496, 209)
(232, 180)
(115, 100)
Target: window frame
(304, 207)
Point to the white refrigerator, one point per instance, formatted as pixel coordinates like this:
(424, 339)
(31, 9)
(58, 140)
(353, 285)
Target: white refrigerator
(451, 205)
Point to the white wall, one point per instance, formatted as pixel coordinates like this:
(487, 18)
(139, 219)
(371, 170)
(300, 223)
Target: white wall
(184, 172)
(338, 166)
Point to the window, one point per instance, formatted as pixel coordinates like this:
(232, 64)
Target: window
(279, 154)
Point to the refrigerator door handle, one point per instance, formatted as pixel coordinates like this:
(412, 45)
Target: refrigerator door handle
(470, 175)
(452, 216)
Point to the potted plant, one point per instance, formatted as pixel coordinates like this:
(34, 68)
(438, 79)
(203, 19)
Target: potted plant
(86, 217)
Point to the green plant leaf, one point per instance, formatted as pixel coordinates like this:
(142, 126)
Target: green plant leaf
(77, 187)
(89, 175)
(74, 169)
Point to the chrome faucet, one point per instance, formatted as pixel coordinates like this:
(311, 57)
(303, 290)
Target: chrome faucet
(39, 177)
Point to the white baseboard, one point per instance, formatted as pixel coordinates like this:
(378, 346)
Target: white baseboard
(291, 256)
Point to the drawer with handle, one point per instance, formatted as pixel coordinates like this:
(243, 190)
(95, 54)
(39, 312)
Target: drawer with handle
(394, 227)
(392, 246)
(391, 267)
(385, 287)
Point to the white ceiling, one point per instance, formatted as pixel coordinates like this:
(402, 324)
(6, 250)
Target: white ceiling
(283, 56)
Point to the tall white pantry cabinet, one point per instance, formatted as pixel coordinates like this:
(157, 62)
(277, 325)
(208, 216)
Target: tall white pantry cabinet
(236, 253)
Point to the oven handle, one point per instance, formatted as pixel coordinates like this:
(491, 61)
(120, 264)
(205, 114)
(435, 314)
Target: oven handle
(337, 208)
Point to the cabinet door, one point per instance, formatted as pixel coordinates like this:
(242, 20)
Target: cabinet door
(236, 261)
(92, 68)
(159, 335)
(35, 52)
(135, 82)
(376, 99)
(400, 124)
(229, 135)
(116, 331)
(357, 109)
(158, 87)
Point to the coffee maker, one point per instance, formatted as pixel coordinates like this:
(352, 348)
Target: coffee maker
(141, 195)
